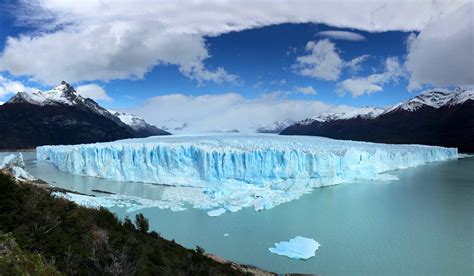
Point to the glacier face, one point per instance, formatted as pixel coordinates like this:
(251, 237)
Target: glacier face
(241, 170)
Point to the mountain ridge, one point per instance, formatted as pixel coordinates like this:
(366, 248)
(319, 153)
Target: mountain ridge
(435, 117)
(61, 116)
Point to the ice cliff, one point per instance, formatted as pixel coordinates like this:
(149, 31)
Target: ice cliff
(241, 170)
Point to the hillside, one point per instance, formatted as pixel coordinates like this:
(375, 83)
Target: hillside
(79, 240)
(62, 116)
(433, 118)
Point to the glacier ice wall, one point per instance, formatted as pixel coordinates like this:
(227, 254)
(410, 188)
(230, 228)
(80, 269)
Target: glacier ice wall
(215, 161)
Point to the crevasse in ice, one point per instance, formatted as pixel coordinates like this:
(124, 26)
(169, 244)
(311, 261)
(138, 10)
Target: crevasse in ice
(241, 170)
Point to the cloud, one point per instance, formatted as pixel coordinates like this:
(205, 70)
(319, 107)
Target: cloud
(443, 53)
(225, 112)
(342, 35)
(322, 62)
(355, 64)
(373, 83)
(8, 86)
(105, 40)
(94, 92)
(307, 90)
(117, 50)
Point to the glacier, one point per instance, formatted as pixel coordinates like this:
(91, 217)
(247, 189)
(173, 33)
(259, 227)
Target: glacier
(234, 170)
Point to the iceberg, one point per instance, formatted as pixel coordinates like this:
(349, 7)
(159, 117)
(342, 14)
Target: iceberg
(14, 164)
(296, 248)
(216, 212)
(235, 170)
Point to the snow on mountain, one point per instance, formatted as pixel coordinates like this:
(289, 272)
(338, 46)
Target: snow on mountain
(133, 121)
(432, 98)
(364, 112)
(63, 94)
(435, 99)
(1, 103)
(138, 124)
(274, 127)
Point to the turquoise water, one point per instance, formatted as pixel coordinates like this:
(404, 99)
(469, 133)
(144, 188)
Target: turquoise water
(421, 224)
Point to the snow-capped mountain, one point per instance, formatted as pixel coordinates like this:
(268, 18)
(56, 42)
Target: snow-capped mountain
(438, 117)
(364, 113)
(143, 128)
(60, 116)
(61, 95)
(275, 127)
(435, 99)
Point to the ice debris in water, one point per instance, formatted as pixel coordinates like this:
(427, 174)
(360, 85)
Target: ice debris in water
(233, 171)
(130, 203)
(15, 165)
(216, 212)
(296, 248)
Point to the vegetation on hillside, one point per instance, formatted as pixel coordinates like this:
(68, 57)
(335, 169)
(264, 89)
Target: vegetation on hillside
(53, 234)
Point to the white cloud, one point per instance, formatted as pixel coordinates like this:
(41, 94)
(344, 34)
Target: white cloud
(8, 86)
(443, 53)
(355, 64)
(342, 35)
(307, 90)
(120, 39)
(373, 83)
(117, 50)
(227, 111)
(322, 62)
(94, 92)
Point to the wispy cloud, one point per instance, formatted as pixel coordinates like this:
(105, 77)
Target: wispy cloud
(307, 90)
(373, 83)
(342, 35)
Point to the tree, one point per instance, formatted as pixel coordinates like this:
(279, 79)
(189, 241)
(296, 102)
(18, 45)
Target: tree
(142, 223)
(128, 224)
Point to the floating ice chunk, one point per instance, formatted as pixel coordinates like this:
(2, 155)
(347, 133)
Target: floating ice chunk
(296, 248)
(385, 177)
(14, 164)
(130, 203)
(233, 208)
(216, 212)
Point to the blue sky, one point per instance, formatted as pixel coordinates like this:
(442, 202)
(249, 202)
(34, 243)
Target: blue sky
(302, 54)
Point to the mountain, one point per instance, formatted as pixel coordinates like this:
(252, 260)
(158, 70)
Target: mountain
(275, 127)
(58, 116)
(440, 117)
(364, 113)
(142, 128)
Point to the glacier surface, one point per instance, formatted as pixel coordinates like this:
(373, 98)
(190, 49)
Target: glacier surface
(234, 170)
(296, 248)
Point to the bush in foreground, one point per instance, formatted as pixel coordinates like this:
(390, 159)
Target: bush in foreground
(79, 240)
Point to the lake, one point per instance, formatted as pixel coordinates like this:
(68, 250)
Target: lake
(420, 224)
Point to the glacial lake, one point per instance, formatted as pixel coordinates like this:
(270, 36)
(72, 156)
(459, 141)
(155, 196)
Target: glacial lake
(420, 224)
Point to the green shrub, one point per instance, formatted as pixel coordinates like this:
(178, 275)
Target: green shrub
(86, 241)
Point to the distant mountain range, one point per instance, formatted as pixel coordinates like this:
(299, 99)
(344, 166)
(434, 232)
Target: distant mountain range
(441, 117)
(62, 116)
(275, 127)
